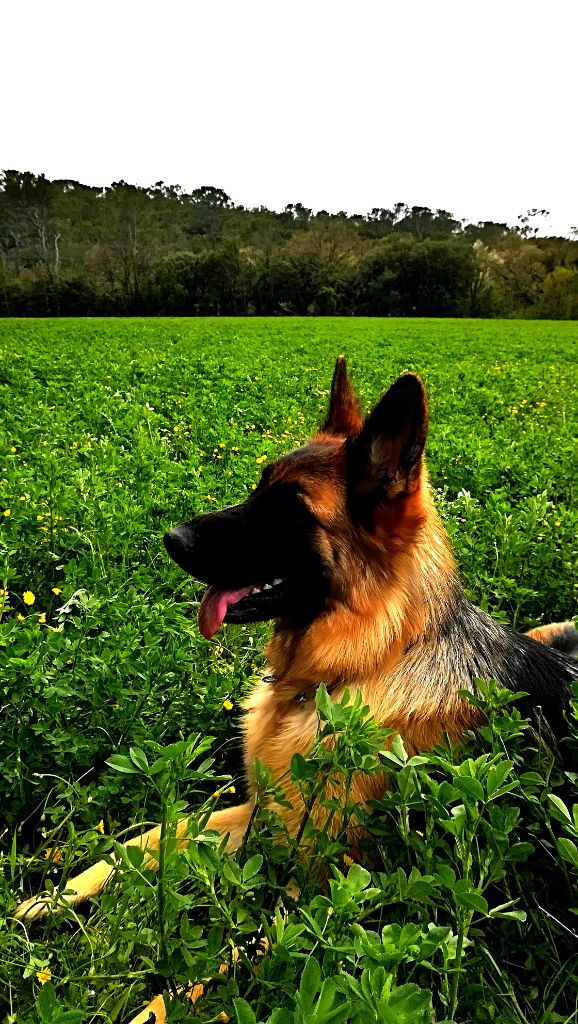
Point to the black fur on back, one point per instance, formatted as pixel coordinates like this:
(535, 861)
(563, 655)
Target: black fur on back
(515, 661)
(567, 640)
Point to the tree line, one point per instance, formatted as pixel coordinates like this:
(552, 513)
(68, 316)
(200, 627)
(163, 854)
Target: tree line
(68, 249)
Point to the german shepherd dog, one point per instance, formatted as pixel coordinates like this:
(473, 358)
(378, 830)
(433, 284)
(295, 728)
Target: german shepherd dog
(340, 543)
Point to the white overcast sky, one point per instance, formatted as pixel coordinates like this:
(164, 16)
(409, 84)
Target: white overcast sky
(466, 105)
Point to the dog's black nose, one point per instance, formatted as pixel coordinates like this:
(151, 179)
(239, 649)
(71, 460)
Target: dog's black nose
(179, 544)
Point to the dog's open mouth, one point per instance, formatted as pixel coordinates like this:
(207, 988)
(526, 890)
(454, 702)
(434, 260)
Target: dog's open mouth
(255, 603)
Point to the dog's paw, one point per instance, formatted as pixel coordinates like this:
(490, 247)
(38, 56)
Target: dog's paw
(33, 909)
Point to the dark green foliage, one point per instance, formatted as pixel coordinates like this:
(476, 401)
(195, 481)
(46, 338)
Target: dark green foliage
(69, 249)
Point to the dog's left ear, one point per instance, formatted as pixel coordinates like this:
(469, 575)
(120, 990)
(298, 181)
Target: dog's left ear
(344, 413)
(385, 458)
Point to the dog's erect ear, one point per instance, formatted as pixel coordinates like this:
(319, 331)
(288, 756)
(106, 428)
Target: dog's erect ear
(385, 458)
(344, 413)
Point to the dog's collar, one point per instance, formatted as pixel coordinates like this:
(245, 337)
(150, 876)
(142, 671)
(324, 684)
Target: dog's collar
(304, 695)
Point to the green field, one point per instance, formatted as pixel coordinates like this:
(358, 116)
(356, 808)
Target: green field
(115, 430)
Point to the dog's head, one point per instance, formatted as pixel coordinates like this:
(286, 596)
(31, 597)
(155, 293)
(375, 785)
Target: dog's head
(319, 517)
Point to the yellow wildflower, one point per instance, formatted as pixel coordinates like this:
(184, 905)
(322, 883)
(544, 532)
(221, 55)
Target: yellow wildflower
(44, 975)
(262, 458)
(231, 789)
(7, 512)
(53, 854)
(198, 991)
(42, 618)
(348, 861)
(56, 590)
(19, 617)
(216, 794)
(100, 827)
(224, 1016)
(28, 597)
(228, 705)
(13, 449)
(223, 969)
(39, 518)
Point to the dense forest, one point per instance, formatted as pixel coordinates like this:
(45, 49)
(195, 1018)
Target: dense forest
(70, 249)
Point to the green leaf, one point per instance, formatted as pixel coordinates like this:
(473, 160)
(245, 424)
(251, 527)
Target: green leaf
(560, 807)
(516, 915)
(252, 867)
(465, 895)
(472, 901)
(325, 1001)
(47, 1002)
(281, 1016)
(408, 1004)
(244, 1012)
(496, 776)
(309, 985)
(519, 852)
(51, 1010)
(139, 758)
(301, 770)
(568, 850)
(324, 705)
(468, 786)
(358, 878)
(120, 763)
(231, 871)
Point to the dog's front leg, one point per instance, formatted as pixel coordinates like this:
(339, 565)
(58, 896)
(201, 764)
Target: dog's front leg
(231, 821)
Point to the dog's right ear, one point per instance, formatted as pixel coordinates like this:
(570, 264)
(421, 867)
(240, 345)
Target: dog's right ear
(344, 413)
(385, 458)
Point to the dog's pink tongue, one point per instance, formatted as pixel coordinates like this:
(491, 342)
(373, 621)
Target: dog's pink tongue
(214, 608)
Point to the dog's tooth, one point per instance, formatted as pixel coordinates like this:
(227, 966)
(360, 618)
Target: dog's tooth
(277, 582)
(256, 590)
(266, 586)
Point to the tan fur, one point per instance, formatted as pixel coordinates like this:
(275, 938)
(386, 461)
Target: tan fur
(547, 634)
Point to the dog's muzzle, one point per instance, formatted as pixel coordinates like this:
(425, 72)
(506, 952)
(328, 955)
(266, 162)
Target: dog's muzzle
(179, 543)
